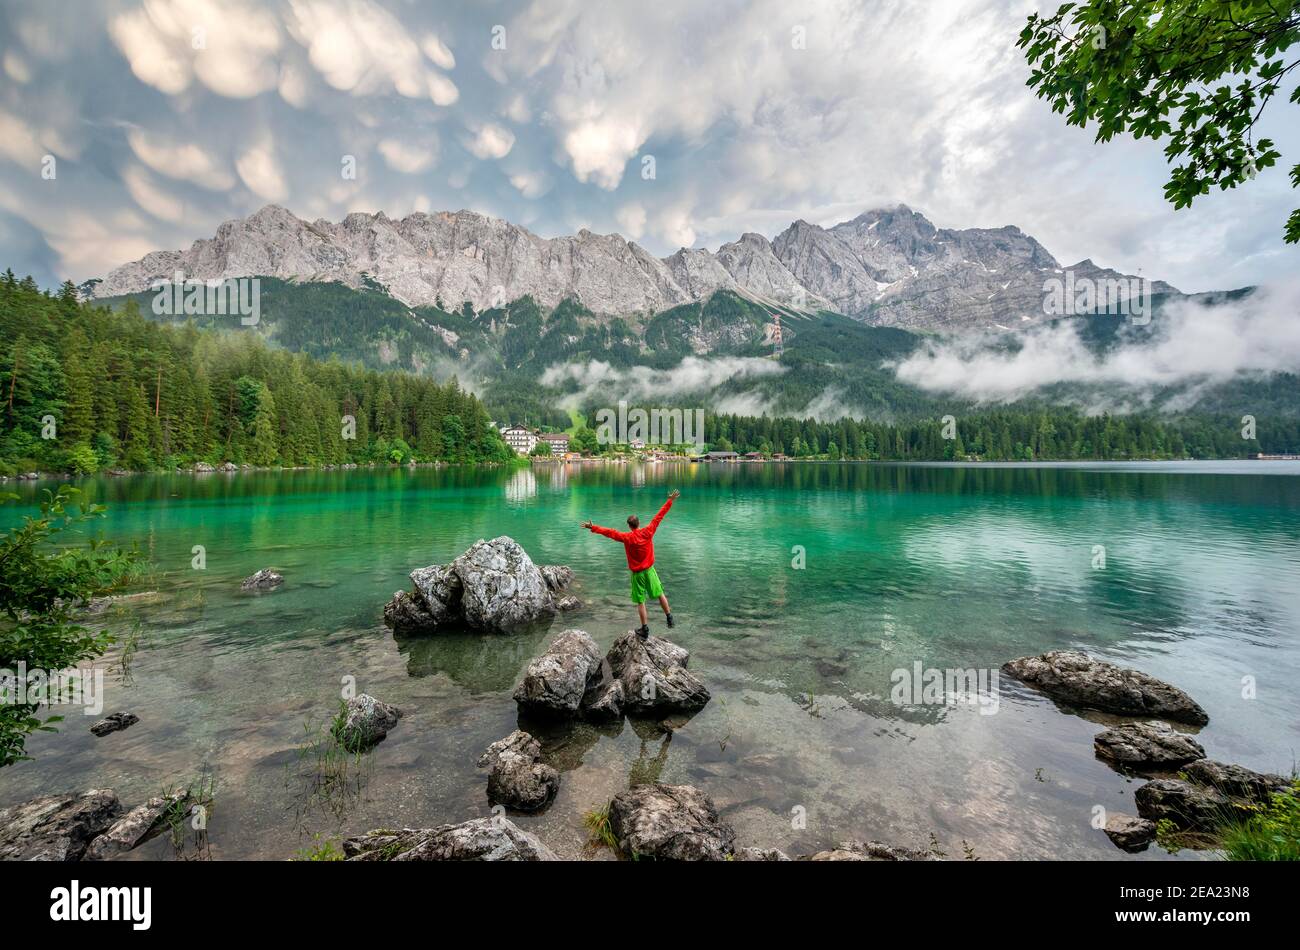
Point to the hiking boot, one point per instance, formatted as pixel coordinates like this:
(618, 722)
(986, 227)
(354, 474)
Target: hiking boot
(644, 632)
(669, 619)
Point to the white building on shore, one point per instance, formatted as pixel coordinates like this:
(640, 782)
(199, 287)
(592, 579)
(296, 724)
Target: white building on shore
(520, 438)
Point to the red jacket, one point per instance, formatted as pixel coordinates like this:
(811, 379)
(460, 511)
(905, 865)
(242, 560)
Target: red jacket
(638, 544)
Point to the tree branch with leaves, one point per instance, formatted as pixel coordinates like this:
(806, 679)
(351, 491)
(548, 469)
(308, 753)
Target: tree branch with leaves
(1197, 74)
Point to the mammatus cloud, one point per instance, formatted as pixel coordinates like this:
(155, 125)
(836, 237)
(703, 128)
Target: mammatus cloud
(546, 113)
(1193, 344)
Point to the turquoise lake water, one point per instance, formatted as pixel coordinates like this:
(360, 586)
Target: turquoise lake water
(799, 589)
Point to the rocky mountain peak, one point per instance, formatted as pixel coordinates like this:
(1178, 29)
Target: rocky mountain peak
(888, 266)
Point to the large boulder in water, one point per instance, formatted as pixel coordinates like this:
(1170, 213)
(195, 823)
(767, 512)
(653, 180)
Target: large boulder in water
(1147, 745)
(56, 827)
(518, 780)
(494, 586)
(669, 823)
(1075, 678)
(654, 676)
(555, 682)
(481, 839)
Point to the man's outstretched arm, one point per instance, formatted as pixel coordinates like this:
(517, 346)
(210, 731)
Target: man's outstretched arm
(654, 522)
(607, 532)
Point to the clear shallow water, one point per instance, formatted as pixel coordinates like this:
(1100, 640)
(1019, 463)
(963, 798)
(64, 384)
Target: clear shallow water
(952, 566)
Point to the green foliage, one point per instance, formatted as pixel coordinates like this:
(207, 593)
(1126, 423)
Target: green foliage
(1272, 833)
(1011, 434)
(598, 827)
(130, 393)
(1150, 68)
(41, 592)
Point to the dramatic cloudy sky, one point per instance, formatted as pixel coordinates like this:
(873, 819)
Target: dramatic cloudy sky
(166, 117)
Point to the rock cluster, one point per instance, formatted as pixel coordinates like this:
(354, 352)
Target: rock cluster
(494, 587)
(89, 826)
(636, 677)
(1206, 796)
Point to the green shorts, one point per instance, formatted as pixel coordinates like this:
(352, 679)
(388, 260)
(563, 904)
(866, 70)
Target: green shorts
(646, 586)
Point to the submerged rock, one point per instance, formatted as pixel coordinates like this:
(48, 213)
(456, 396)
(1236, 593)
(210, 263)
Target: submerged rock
(1147, 745)
(56, 827)
(556, 681)
(114, 723)
(1130, 833)
(518, 780)
(654, 676)
(494, 586)
(265, 579)
(669, 823)
(481, 839)
(872, 851)
(133, 828)
(364, 721)
(1073, 677)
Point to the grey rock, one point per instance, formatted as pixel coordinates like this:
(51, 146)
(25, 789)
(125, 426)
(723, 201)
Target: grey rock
(555, 682)
(1073, 677)
(1130, 833)
(440, 590)
(481, 839)
(364, 721)
(872, 851)
(56, 827)
(407, 613)
(654, 676)
(567, 603)
(203, 468)
(1235, 780)
(494, 586)
(114, 723)
(518, 780)
(133, 828)
(228, 467)
(604, 701)
(760, 854)
(502, 587)
(669, 823)
(1186, 805)
(265, 579)
(557, 576)
(1147, 745)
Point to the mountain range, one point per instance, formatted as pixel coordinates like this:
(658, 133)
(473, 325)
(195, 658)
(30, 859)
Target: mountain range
(886, 267)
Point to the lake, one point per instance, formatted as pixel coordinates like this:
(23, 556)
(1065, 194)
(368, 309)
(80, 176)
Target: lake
(798, 588)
